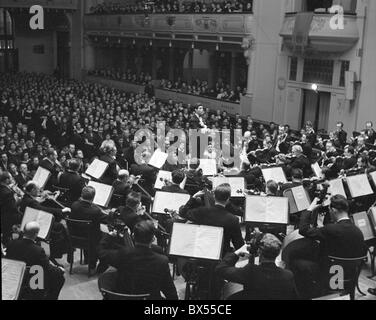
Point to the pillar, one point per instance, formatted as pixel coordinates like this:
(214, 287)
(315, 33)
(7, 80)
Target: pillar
(233, 70)
(171, 64)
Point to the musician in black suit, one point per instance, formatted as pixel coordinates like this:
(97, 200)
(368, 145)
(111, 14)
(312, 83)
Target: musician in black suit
(28, 251)
(340, 136)
(341, 239)
(49, 163)
(261, 282)
(217, 216)
(370, 132)
(23, 177)
(109, 157)
(178, 177)
(72, 181)
(133, 212)
(83, 209)
(141, 270)
(121, 185)
(8, 207)
(300, 161)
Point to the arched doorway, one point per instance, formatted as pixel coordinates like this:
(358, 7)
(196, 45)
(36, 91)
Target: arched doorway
(8, 54)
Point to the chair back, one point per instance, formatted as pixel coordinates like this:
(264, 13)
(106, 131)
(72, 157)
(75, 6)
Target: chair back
(80, 233)
(351, 268)
(293, 208)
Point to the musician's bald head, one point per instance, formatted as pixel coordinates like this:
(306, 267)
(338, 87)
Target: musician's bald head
(31, 230)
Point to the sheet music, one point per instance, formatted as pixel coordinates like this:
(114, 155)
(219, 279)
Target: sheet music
(372, 216)
(362, 221)
(41, 177)
(335, 188)
(275, 174)
(317, 170)
(158, 159)
(164, 175)
(12, 273)
(359, 186)
(209, 167)
(168, 200)
(301, 198)
(266, 210)
(237, 185)
(103, 193)
(201, 242)
(104, 228)
(97, 168)
(44, 220)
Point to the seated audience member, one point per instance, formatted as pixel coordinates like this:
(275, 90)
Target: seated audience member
(27, 250)
(141, 270)
(72, 180)
(84, 209)
(23, 177)
(261, 282)
(178, 177)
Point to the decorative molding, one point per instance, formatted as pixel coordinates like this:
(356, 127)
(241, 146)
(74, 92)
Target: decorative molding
(207, 23)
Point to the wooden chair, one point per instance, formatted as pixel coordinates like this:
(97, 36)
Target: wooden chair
(80, 235)
(106, 283)
(351, 271)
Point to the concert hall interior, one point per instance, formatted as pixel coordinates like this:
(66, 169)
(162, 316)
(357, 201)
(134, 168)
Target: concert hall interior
(188, 149)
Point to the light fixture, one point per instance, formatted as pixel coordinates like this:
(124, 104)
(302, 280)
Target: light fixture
(134, 41)
(193, 45)
(170, 44)
(217, 47)
(119, 41)
(151, 43)
(314, 87)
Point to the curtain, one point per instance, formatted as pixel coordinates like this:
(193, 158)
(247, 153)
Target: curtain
(324, 111)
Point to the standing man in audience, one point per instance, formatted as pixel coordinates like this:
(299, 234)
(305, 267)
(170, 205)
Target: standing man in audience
(49, 163)
(265, 281)
(340, 136)
(23, 177)
(27, 250)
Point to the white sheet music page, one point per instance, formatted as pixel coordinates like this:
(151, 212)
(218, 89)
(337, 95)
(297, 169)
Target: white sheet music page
(275, 174)
(44, 220)
(209, 167)
(359, 186)
(170, 201)
(158, 159)
(301, 198)
(208, 243)
(266, 210)
(103, 193)
(183, 240)
(317, 170)
(12, 273)
(41, 177)
(237, 185)
(162, 176)
(97, 168)
(373, 176)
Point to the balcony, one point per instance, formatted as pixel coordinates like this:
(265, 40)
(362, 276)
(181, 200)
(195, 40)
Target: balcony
(321, 37)
(230, 28)
(46, 4)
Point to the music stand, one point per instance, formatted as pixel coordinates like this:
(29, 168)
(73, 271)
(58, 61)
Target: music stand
(169, 200)
(12, 275)
(359, 186)
(97, 169)
(103, 193)
(276, 174)
(44, 219)
(41, 177)
(237, 185)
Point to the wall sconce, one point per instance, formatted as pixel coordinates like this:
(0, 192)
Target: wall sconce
(151, 43)
(193, 45)
(217, 47)
(314, 87)
(134, 41)
(170, 44)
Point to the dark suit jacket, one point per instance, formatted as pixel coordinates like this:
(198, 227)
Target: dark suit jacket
(83, 210)
(21, 181)
(143, 271)
(342, 239)
(217, 216)
(46, 164)
(194, 123)
(74, 182)
(303, 163)
(8, 210)
(29, 252)
(174, 189)
(263, 282)
(111, 173)
(121, 188)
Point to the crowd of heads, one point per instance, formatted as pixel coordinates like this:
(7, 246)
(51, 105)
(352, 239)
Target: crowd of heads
(173, 6)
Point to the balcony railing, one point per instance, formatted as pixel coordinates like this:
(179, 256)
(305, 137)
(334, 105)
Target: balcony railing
(321, 36)
(46, 4)
(170, 24)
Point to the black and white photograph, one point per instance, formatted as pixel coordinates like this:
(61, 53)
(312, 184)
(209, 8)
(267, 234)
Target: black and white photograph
(188, 156)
